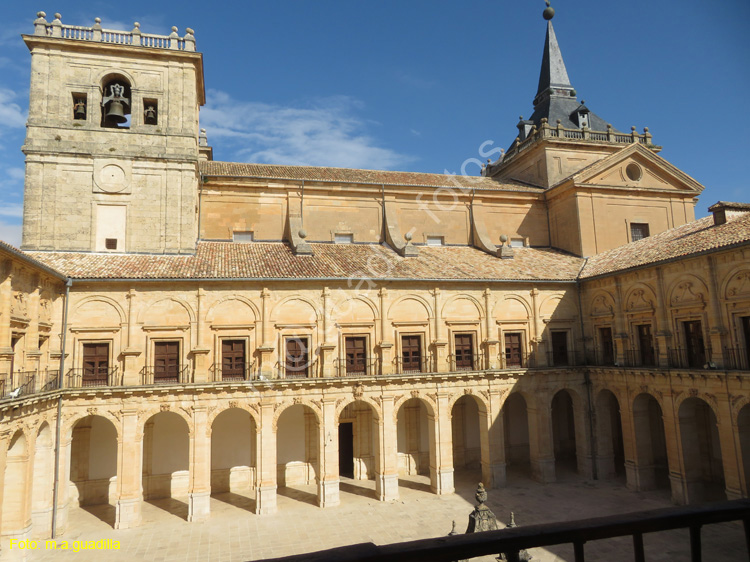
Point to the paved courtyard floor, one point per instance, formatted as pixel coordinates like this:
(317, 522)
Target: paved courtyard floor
(234, 533)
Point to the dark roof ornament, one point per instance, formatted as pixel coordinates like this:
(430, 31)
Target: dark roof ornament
(549, 12)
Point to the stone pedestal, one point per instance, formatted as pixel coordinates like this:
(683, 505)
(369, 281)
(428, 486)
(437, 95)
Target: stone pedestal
(199, 506)
(265, 500)
(127, 513)
(328, 493)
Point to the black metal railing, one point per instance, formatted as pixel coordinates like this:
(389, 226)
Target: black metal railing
(422, 365)
(511, 541)
(83, 378)
(565, 358)
(637, 358)
(309, 370)
(466, 362)
(49, 380)
(514, 360)
(736, 359)
(601, 357)
(367, 368)
(245, 373)
(20, 383)
(683, 358)
(151, 374)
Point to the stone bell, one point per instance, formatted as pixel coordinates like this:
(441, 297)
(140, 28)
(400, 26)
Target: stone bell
(115, 112)
(149, 115)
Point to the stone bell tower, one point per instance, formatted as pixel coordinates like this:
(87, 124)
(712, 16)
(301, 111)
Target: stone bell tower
(112, 139)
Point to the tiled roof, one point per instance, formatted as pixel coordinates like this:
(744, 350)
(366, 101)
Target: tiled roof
(350, 175)
(692, 238)
(275, 260)
(25, 256)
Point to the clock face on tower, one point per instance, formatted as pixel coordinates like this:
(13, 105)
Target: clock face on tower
(112, 176)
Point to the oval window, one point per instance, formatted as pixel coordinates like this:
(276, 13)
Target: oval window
(633, 171)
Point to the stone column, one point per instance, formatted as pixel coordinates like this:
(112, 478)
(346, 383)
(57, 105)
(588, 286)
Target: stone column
(441, 452)
(540, 347)
(620, 339)
(129, 474)
(492, 345)
(265, 486)
(682, 488)
(541, 450)
(440, 341)
(386, 472)
(492, 441)
(31, 341)
(199, 351)
(199, 493)
(328, 456)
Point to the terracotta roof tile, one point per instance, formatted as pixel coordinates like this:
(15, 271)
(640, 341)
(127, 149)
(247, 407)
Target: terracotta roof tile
(275, 260)
(692, 238)
(350, 175)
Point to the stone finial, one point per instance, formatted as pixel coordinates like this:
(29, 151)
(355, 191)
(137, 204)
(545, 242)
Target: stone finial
(57, 26)
(189, 39)
(503, 238)
(40, 24)
(549, 12)
(408, 237)
(482, 518)
(302, 233)
(203, 138)
(174, 38)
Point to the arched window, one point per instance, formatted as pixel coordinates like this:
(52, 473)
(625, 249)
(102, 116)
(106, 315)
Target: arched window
(116, 102)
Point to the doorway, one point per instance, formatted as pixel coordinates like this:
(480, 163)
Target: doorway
(346, 449)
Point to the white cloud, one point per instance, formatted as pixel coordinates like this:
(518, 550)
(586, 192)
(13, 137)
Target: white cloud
(10, 233)
(326, 133)
(11, 114)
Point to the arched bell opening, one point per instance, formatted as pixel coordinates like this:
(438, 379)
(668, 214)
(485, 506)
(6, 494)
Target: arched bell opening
(116, 102)
(233, 458)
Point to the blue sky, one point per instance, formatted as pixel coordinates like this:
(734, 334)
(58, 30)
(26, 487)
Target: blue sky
(417, 85)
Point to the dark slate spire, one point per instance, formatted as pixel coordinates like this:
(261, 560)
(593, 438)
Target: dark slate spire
(555, 98)
(553, 73)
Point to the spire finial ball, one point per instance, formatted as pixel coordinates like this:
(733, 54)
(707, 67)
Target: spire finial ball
(549, 12)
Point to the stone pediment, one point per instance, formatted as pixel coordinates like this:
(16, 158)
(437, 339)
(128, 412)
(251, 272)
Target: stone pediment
(637, 167)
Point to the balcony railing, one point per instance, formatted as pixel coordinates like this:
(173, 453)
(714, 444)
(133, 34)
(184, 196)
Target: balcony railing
(420, 366)
(247, 373)
(310, 370)
(368, 368)
(736, 359)
(20, 383)
(566, 358)
(473, 362)
(521, 360)
(83, 378)
(511, 541)
(159, 375)
(636, 358)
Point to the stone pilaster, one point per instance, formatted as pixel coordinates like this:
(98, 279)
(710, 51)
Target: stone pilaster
(441, 453)
(199, 493)
(265, 486)
(492, 442)
(386, 471)
(129, 458)
(328, 456)
(541, 451)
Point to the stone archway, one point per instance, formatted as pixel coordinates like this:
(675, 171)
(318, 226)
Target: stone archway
(166, 467)
(233, 458)
(297, 453)
(93, 466)
(564, 433)
(516, 427)
(467, 437)
(15, 519)
(743, 429)
(42, 483)
(610, 450)
(415, 444)
(651, 467)
(359, 451)
(701, 452)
